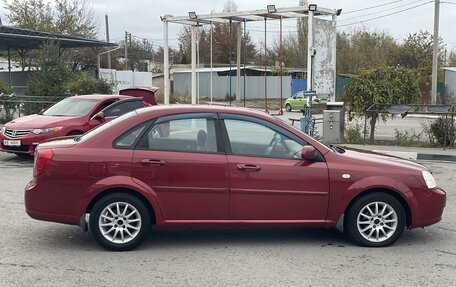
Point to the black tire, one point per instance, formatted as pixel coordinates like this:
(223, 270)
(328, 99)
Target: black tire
(119, 226)
(288, 107)
(361, 221)
(24, 155)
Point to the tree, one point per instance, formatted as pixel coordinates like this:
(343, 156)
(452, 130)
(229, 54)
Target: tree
(50, 79)
(7, 108)
(71, 17)
(416, 53)
(386, 85)
(451, 61)
(362, 49)
(221, 39)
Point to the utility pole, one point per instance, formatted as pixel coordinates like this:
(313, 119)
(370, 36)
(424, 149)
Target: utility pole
(107, 40)
(126, 49)
(435, 56)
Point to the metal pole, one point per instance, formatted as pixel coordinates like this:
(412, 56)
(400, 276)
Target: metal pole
(211, 61)
(193, 32)
(238, 63)
(230, 52)
(126, 49)
(245, 57)
(435, 55)
(98, 62)
(265, 69)
(281, 69)
(310, 51)
(197, 65)
(332, 97)
(107, 40)
(9, 67)
(165, 63)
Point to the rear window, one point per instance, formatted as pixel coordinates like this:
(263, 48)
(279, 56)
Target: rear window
(105, 126)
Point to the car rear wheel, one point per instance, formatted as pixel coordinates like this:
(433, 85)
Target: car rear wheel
(119, 222)
(288, 107)
(375, 220)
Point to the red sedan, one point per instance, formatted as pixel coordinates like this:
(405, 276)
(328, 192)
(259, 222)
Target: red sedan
(176, 166)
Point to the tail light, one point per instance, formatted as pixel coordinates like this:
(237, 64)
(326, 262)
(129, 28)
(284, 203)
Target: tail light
(42, 160)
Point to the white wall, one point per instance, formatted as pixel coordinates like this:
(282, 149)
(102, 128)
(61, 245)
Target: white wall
(127, 79)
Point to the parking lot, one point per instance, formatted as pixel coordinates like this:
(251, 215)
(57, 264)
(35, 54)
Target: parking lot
(36, 253)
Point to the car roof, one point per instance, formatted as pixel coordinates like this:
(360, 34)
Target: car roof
(101, 97)
(178, 109)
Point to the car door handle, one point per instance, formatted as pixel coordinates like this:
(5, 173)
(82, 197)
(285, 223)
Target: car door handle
(152, 162)
(248, 167)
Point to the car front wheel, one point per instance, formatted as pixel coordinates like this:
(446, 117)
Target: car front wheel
(119, 222)
(288, 107)
(375, 220)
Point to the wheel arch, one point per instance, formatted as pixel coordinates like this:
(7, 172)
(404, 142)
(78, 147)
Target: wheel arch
(129, 191)
(402, 201)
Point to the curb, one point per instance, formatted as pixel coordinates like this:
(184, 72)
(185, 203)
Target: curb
(418, 156)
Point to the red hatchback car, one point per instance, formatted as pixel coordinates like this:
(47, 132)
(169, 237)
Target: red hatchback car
(221, 166)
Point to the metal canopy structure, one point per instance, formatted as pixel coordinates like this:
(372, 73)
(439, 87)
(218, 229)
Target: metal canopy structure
(271, 13)
(25, 39)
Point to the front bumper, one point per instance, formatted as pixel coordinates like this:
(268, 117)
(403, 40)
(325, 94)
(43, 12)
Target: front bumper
(428, 207)
(28, 143)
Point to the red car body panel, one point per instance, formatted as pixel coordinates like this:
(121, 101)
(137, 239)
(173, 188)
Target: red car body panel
(202, 189)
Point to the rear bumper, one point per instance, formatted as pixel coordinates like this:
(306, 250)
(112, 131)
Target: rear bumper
(38, 206)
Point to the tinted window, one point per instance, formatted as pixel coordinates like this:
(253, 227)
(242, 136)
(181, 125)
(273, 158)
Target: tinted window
(185, 135)
(71, 107)
(128, 139)
(123, 108)
(253, 139)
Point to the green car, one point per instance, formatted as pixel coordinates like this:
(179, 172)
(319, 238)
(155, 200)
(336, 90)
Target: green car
(298, 101)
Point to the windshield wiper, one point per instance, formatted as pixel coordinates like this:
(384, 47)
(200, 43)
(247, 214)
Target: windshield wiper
(336, 148)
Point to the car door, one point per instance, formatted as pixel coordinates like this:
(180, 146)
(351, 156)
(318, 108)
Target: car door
(268, 178)
(297, 103)
(121, 107)
(181, 159)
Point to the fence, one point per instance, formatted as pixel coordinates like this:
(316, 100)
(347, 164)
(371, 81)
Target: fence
(126, 79)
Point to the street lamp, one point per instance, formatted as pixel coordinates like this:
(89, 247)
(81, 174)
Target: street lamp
(271, 9)
(192, 15)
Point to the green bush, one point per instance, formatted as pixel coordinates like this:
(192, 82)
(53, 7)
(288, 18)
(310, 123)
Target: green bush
(352, 134)
(406, 138)
(438, 128)
(7, 108)
(84, 84)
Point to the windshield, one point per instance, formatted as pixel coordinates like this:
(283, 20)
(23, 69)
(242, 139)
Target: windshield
(103, 127)
(71, 107)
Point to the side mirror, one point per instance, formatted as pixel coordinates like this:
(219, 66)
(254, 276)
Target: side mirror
(98, 116)
(308, 152)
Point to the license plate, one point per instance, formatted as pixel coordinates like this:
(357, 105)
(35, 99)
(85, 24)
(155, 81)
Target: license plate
(12, 142)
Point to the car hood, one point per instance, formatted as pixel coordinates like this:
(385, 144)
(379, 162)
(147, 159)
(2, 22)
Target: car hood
(37, 122)
(375, 158)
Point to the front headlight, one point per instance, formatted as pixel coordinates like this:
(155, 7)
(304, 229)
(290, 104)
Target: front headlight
(429, 179)
(46, 130)
(3, 129)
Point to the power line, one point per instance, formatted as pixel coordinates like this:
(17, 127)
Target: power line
(378, 12)
(386, 15)
(372, 7)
